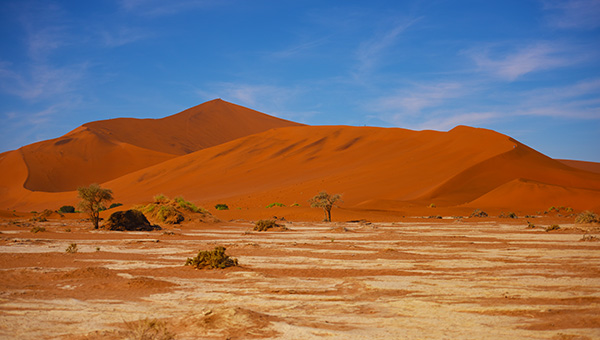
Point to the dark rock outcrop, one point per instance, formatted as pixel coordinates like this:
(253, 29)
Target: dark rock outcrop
(130, 220)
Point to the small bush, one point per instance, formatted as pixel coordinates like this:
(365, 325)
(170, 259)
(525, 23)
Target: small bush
(221, 206)
(43, 216)
(170, 211)
(169, 215)
(589, 238)
(552, 227)
(432, 205)
(275, 204)
(215, 259)
(508, 215)
(478, 213)
(586, 217)
(114, 205)
(37, 229)
(530, 225)
(264, 225)
(72, 248)
(66, 209)
(160, 198)
(295, 205)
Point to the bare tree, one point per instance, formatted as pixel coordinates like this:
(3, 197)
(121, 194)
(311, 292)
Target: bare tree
(92, 201)
(325, 201)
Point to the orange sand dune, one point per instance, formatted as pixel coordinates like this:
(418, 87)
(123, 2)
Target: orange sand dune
(587, 166)
(367, 165)
(375, 169)
(104, 150)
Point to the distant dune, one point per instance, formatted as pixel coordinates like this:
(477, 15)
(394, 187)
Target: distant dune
(104, 150)
(373, 168)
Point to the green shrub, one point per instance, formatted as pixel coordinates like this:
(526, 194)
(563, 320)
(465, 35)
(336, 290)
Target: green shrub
(167, 210)
(552, 227)
(186, 205)
(275, 204)
(160, 198)
(264, 225)
(586, 217)
(432, 205)
(72, 248)
(478, 213)
(295, 205)
(530, 225)
(114, 205)
(221, 206)
(215, 259)
(66, 209)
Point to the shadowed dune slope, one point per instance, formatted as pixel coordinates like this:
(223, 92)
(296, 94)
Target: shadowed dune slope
(587, 166)
(374, 168)
(104, 150)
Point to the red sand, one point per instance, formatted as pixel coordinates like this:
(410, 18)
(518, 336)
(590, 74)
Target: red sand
(248, 160)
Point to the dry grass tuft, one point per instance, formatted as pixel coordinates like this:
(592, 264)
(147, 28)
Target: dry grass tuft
(587, 217)
(213, 259)
(148, 329)
(264, 225)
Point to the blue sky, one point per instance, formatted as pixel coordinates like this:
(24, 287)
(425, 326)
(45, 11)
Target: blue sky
(528, 69)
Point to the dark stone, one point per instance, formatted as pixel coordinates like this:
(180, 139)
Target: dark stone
(130, 220)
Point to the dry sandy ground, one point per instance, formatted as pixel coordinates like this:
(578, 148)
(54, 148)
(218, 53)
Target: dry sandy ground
(444, 279)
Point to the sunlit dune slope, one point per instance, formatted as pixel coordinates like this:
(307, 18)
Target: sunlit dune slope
(374, 168)
(104, 150)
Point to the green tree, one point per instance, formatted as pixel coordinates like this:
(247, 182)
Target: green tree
(325, 201)
(92, 201)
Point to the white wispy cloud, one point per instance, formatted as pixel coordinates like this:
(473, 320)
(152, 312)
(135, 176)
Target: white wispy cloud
(270, 99)
(370, 52)
(40, 80)
(300, 48)
(573, 14)
(412, 100)
(511, 66)
(447, 121)
(580, 101)
(123, 35)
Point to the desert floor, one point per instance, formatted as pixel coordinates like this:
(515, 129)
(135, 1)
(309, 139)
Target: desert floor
(415, 279)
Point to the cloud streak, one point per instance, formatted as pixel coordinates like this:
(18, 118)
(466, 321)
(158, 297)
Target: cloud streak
(573, 14)
(370, 52)
(533, 58)
(413, 100)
